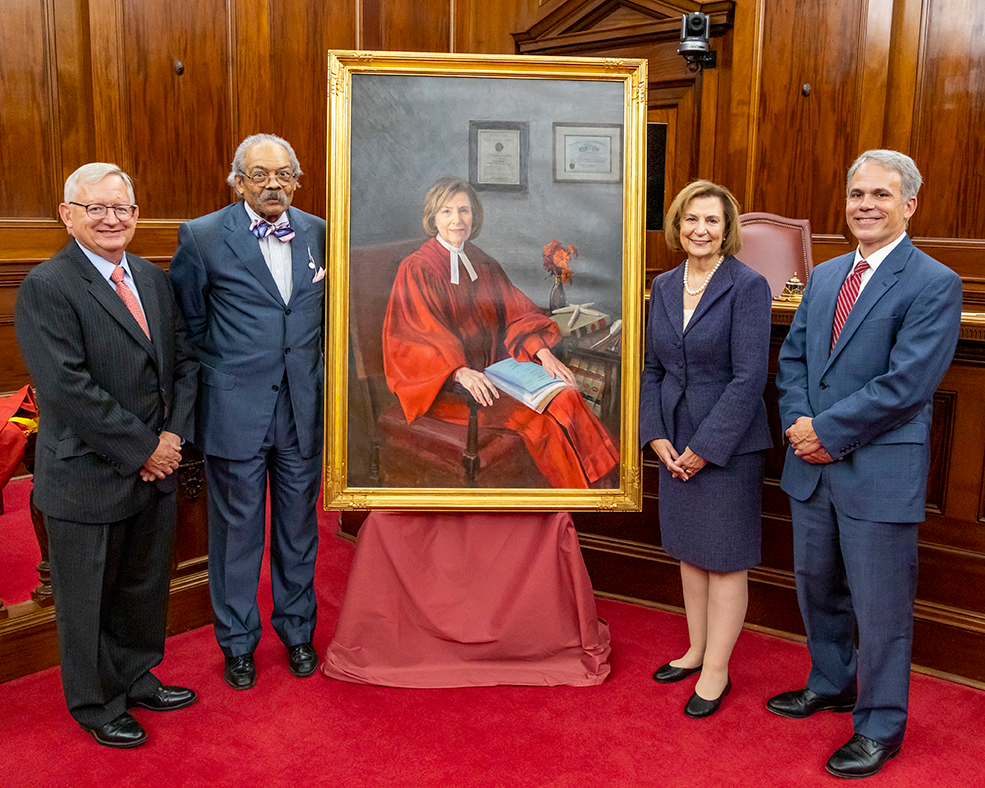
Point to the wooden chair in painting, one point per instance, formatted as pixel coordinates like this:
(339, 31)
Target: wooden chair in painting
(777, 247)
(384, 450)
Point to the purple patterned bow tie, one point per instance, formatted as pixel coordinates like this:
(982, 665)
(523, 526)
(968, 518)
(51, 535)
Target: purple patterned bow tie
(282, 232)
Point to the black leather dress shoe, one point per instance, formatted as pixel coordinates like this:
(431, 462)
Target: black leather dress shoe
(302, 659)
(240, 672)
(122, 733)
(165, 699)
(801, 703)
(861, 757)
(668, 674)
(697, 707)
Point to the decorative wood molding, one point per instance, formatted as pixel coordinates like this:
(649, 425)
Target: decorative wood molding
(590, 24)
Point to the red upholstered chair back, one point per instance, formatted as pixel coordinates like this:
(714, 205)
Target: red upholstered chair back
(372, 270)
(776, 247)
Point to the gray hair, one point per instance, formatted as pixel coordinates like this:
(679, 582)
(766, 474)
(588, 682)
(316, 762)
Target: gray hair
(910, 177)
(90, 175)
(239, 158)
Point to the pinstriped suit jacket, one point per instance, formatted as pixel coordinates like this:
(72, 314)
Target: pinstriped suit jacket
(105, 392)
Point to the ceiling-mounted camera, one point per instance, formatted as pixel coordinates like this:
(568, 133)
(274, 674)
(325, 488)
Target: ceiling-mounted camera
(695, 34)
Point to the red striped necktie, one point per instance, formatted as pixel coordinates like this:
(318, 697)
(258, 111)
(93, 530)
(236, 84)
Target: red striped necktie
(846, 299)
(129, 298)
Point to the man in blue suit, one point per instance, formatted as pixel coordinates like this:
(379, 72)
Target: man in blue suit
(250, 281)
(856, 383)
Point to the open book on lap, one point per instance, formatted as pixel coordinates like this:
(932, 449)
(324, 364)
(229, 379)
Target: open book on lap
(525, 381)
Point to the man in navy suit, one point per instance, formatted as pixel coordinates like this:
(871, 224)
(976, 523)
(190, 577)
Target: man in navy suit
(856, 402)
(115, 376)
(250, 281)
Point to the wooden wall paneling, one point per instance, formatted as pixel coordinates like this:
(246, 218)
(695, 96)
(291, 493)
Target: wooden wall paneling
(709, 95)
(301, 34)
(76, 131)
(948, 143)
(13, 373)
(175, 94)
(876, 39)
(416, 25)
(28, 123)
(248, 80)
(479, 32)
(805, 142)
(657, 257)
(905, 54)
(111, 112)
(734, 167)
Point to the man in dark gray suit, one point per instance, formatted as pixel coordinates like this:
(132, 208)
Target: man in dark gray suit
(869, 345)
(250, 281)
(109, 355)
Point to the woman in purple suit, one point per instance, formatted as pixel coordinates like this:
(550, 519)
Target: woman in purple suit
(702, 412)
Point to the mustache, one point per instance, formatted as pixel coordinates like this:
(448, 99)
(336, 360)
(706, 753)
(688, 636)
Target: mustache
(274, 194)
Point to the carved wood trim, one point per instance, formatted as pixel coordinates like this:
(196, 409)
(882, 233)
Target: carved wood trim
(579, 24)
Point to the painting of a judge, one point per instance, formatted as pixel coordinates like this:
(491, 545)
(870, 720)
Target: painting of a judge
(453, 312)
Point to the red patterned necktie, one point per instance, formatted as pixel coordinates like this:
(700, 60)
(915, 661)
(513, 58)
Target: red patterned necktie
(846, 299)
(129, 298)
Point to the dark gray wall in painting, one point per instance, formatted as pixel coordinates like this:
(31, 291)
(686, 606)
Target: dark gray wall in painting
(408, 131)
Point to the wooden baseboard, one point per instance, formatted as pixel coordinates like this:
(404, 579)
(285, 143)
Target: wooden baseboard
(29, 639)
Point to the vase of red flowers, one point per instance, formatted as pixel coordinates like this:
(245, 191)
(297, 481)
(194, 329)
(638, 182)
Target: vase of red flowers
(557, 263)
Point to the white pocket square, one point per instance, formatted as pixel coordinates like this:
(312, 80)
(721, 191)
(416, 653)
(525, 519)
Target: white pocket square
(319, 276)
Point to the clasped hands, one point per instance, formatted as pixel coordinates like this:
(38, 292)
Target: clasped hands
(681, 466)
(165, 459)
(483, 390)
(805, 442)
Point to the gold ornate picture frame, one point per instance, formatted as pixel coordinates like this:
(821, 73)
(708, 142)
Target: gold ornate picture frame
(398, 122)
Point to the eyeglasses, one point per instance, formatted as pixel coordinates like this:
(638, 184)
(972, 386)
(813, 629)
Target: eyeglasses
(96, 211)
(283, 177)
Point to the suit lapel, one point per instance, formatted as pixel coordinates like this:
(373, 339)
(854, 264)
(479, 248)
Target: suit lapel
(883, 278)
(301, 254)
(106, 296)
(826, 300)
(672, 298)
(245, 247)
(721, 283)
(150, 304)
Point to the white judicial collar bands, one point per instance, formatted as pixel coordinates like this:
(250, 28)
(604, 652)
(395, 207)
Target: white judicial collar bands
(456, 255)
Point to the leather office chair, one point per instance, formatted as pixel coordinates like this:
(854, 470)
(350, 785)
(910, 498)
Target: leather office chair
(428, 452)
(776, 247)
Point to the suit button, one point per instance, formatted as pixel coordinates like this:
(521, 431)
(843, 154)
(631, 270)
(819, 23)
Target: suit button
(823, 385)
(287, 311)
(274, 388)
(287, 350)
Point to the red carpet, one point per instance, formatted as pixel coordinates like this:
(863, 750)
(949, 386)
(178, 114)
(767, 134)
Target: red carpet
(628, 731)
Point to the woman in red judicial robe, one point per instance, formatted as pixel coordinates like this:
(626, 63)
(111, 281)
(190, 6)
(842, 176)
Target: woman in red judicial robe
(452, 312)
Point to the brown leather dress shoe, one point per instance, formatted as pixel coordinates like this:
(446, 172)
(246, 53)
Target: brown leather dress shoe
(165, 699)
(123, 732)
(801, 703)
(861, 757)
(240, 672)
(302, 659)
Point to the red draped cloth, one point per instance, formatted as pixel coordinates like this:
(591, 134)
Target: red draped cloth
(433, 328)
(468, 600)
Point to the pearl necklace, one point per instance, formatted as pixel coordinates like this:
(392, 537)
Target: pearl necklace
(704, 284)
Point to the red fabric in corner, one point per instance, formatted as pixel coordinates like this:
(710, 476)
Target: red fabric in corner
(13, 437)
(465, 600)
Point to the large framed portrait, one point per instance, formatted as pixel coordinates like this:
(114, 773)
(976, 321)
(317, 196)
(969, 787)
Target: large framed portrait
(483, 345)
